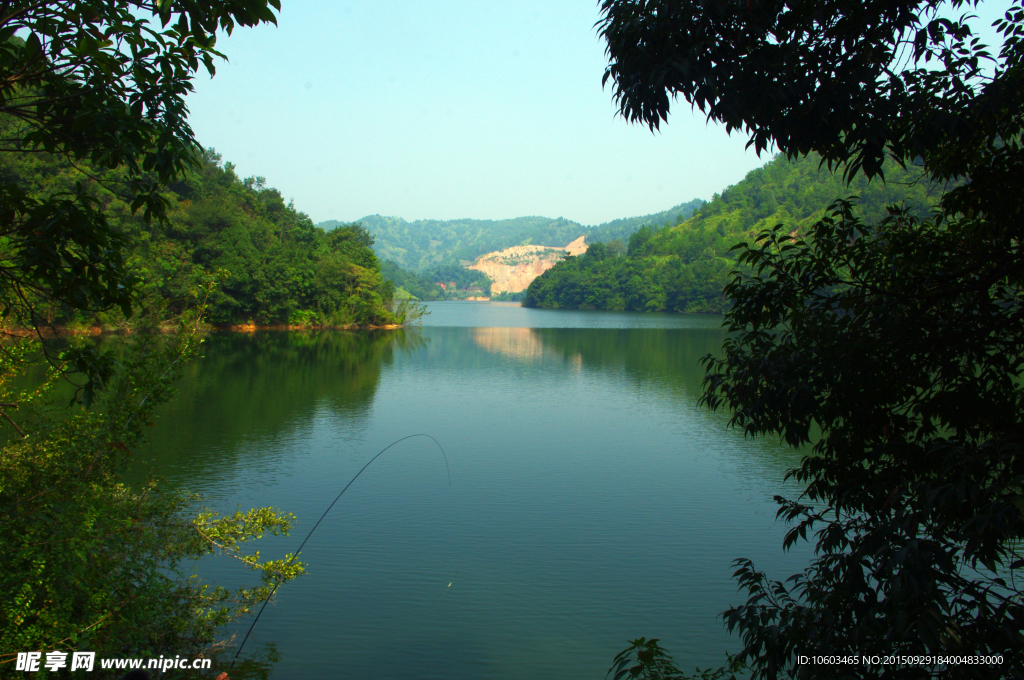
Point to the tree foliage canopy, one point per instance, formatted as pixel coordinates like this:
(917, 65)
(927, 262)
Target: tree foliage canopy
(900, 340)
(103, 82)
(92, 128)
(262, 259)
(91, 563)
(853, 81)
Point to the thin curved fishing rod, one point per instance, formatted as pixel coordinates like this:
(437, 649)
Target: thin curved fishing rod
(296, 555)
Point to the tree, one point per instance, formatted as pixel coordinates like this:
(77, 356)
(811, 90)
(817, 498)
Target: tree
(90, 563)
(102, 81)
(902, 341)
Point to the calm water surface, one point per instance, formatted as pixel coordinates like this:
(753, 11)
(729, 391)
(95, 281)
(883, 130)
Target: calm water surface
(590, 503)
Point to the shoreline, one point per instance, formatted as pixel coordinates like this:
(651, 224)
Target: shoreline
(252, 328)
(93, 331)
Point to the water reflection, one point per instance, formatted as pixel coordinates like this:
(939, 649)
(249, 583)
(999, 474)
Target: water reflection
(649, 361)
(669, 358)
(591, 500)
(521, 344)
(666, 359)
(252, 388)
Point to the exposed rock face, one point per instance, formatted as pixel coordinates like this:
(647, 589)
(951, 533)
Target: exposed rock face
(577, 247)
(512, 270)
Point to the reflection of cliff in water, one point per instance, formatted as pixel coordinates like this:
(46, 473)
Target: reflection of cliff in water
(521, 344)
(254, 388)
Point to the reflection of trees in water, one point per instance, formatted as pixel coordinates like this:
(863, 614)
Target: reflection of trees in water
(264, 385)
(665, 361)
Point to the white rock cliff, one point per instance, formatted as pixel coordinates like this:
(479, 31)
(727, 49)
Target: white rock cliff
(513, 269)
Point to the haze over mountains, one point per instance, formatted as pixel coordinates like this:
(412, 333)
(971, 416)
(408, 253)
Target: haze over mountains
(423, 244)
(676, 260)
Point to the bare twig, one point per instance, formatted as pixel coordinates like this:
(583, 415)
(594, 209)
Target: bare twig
(13, 424)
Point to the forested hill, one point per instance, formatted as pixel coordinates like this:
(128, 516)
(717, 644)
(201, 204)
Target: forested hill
(684, 267)
(422, 244)
(621, 229)
(263, 260)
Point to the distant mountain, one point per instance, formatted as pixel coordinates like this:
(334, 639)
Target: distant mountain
(422, 244)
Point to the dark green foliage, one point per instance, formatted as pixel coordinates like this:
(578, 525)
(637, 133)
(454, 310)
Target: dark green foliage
(277, 268)
(644, 659)
(596, 280)
(92, 129)
(102, 83)
(894, 345)
(683, 268)
(89, 563)
(726, 59)
(914, 382)
(647, 660)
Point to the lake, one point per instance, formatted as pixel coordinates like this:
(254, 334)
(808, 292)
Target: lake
(590, 501)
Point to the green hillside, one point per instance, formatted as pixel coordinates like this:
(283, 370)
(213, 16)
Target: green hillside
(684, 267)
(621, 229)
(410, 284)
(459, 283)
(262, 259)
(423, 244)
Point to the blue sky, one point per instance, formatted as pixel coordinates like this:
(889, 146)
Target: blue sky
(454, 109)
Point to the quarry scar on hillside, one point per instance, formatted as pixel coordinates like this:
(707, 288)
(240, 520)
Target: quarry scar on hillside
(512, 270)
